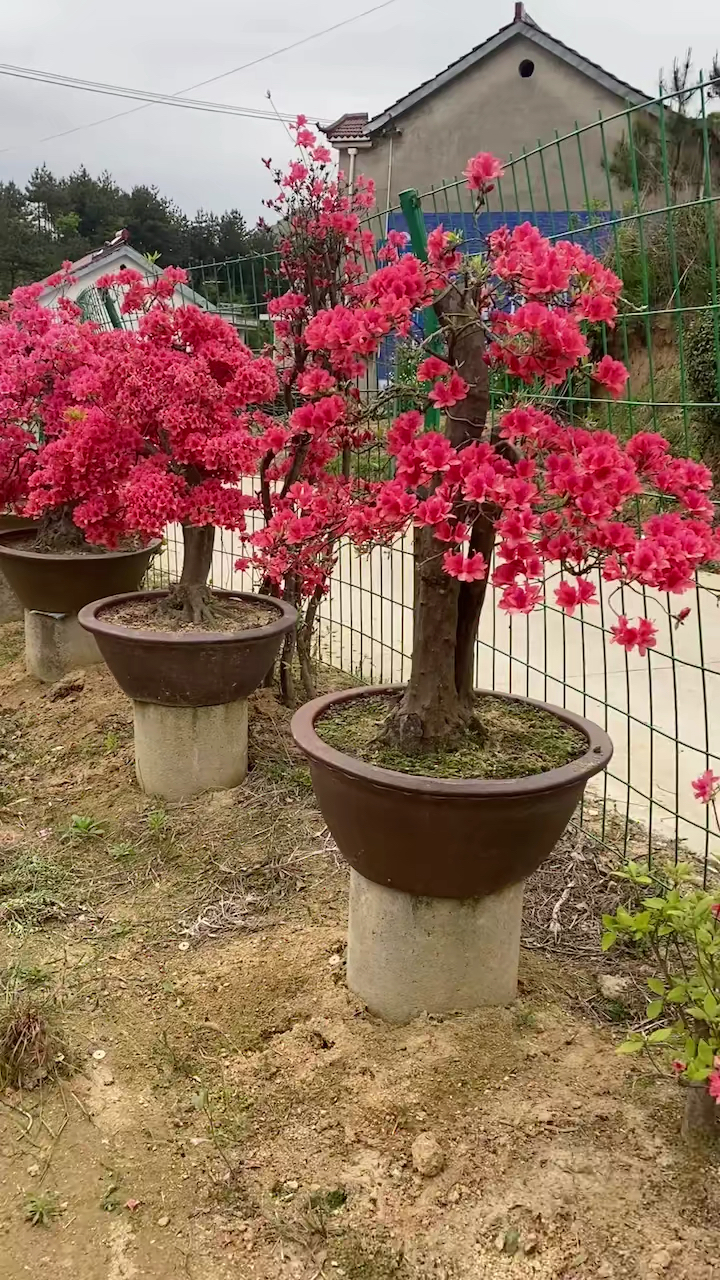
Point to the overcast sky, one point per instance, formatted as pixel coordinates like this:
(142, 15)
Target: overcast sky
(213, 162)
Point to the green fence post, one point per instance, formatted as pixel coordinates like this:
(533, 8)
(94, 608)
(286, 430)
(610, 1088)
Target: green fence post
(109, 304)
(412, 212)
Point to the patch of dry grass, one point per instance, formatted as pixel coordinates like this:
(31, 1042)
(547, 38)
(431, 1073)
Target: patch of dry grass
(31, 1046)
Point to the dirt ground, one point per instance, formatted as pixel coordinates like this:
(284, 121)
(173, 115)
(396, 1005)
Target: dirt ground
(227, 1109)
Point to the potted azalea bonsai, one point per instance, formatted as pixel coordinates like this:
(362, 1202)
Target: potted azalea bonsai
(320, 420)
(444, 798)
(47, 554)
(179, 404)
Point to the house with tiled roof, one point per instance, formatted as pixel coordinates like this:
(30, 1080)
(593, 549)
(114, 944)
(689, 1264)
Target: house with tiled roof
(521, 86)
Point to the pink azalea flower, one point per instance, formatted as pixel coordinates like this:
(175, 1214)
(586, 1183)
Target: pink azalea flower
(482, 171)
(704, 786)
(641, 637)
(432, 368)
(714, 1086)
(611, 374)
(471, 568)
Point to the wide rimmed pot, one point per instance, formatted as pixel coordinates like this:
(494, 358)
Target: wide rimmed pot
(11, 609)
(438, 864)
(189, 692)
(187, 668)
(52, 582)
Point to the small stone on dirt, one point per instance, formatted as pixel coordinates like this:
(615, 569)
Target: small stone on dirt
(105, 1076)
(660, 1261)
(224, 799)
(72, 683)
(611, 986)
(427, 1155)
(163, 1221)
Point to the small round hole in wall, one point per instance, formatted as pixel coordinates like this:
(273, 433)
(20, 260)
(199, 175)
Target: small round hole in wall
(526, 68)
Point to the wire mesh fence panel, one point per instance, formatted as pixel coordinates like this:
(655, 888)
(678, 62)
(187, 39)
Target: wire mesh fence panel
(640, 191)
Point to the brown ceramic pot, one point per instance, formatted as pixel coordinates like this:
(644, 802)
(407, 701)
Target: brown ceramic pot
(443, 837)
(11, 609)
(188, 668)
(53, 583)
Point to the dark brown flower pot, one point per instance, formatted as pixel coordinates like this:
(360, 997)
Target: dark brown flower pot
(187, 668)
(438, 867)
(54, 583)
(11, 609)
(443, 837)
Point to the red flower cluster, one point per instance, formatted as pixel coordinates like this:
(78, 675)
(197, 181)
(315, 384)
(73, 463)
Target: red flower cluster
(176, 420)
(134, 428)
(561, 498)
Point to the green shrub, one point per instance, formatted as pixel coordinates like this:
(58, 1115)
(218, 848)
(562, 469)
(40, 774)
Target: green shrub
(702, 355)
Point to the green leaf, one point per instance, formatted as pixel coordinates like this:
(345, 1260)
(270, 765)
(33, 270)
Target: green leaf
(631, 1046)
(608, 940)
(695, 1012)
(657, 985)
(608, 921)
(705, 1054)
(660, 1036)
(654, 904)
(655, 1008)
(677, 994)
(710, 1005)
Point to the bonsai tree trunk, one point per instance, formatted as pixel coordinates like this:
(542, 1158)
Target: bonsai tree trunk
(437, 703)
(191, 594)
(58, 532)
(700, 1115)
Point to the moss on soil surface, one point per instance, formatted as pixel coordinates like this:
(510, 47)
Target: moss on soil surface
(510, 740)
(228, 615)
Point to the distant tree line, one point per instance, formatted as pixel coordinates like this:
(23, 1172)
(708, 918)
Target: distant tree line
(51, 219)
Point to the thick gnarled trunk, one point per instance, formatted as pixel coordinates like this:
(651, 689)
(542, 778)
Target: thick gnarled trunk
(437, 704)
(191, 596)
(431, 711)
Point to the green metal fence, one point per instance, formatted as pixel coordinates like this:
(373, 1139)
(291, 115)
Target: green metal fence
(639, 189)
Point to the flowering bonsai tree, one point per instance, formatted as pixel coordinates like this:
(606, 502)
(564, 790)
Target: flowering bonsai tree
(42, 354)
(508, 502)
(160, 430)
(323, 254)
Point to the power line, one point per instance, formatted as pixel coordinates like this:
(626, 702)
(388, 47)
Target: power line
(266, 57)
(141, 95)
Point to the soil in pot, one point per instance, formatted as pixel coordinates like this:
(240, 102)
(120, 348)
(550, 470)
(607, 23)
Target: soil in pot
(506, 740)
(227, 616)
(34, 539)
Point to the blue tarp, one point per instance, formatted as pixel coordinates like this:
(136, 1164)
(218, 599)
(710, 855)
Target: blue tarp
(590, 229)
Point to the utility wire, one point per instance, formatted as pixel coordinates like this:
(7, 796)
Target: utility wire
(266, 57)
(142, 95)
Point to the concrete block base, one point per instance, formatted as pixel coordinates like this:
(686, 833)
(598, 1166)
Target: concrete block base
(182, 751)
(408, 956)
(56, 644)
(11, 609)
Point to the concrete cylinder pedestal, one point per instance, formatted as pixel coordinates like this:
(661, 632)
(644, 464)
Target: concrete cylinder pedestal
(183, 751)
(11, 609)
(408, 955)
(56, 644)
